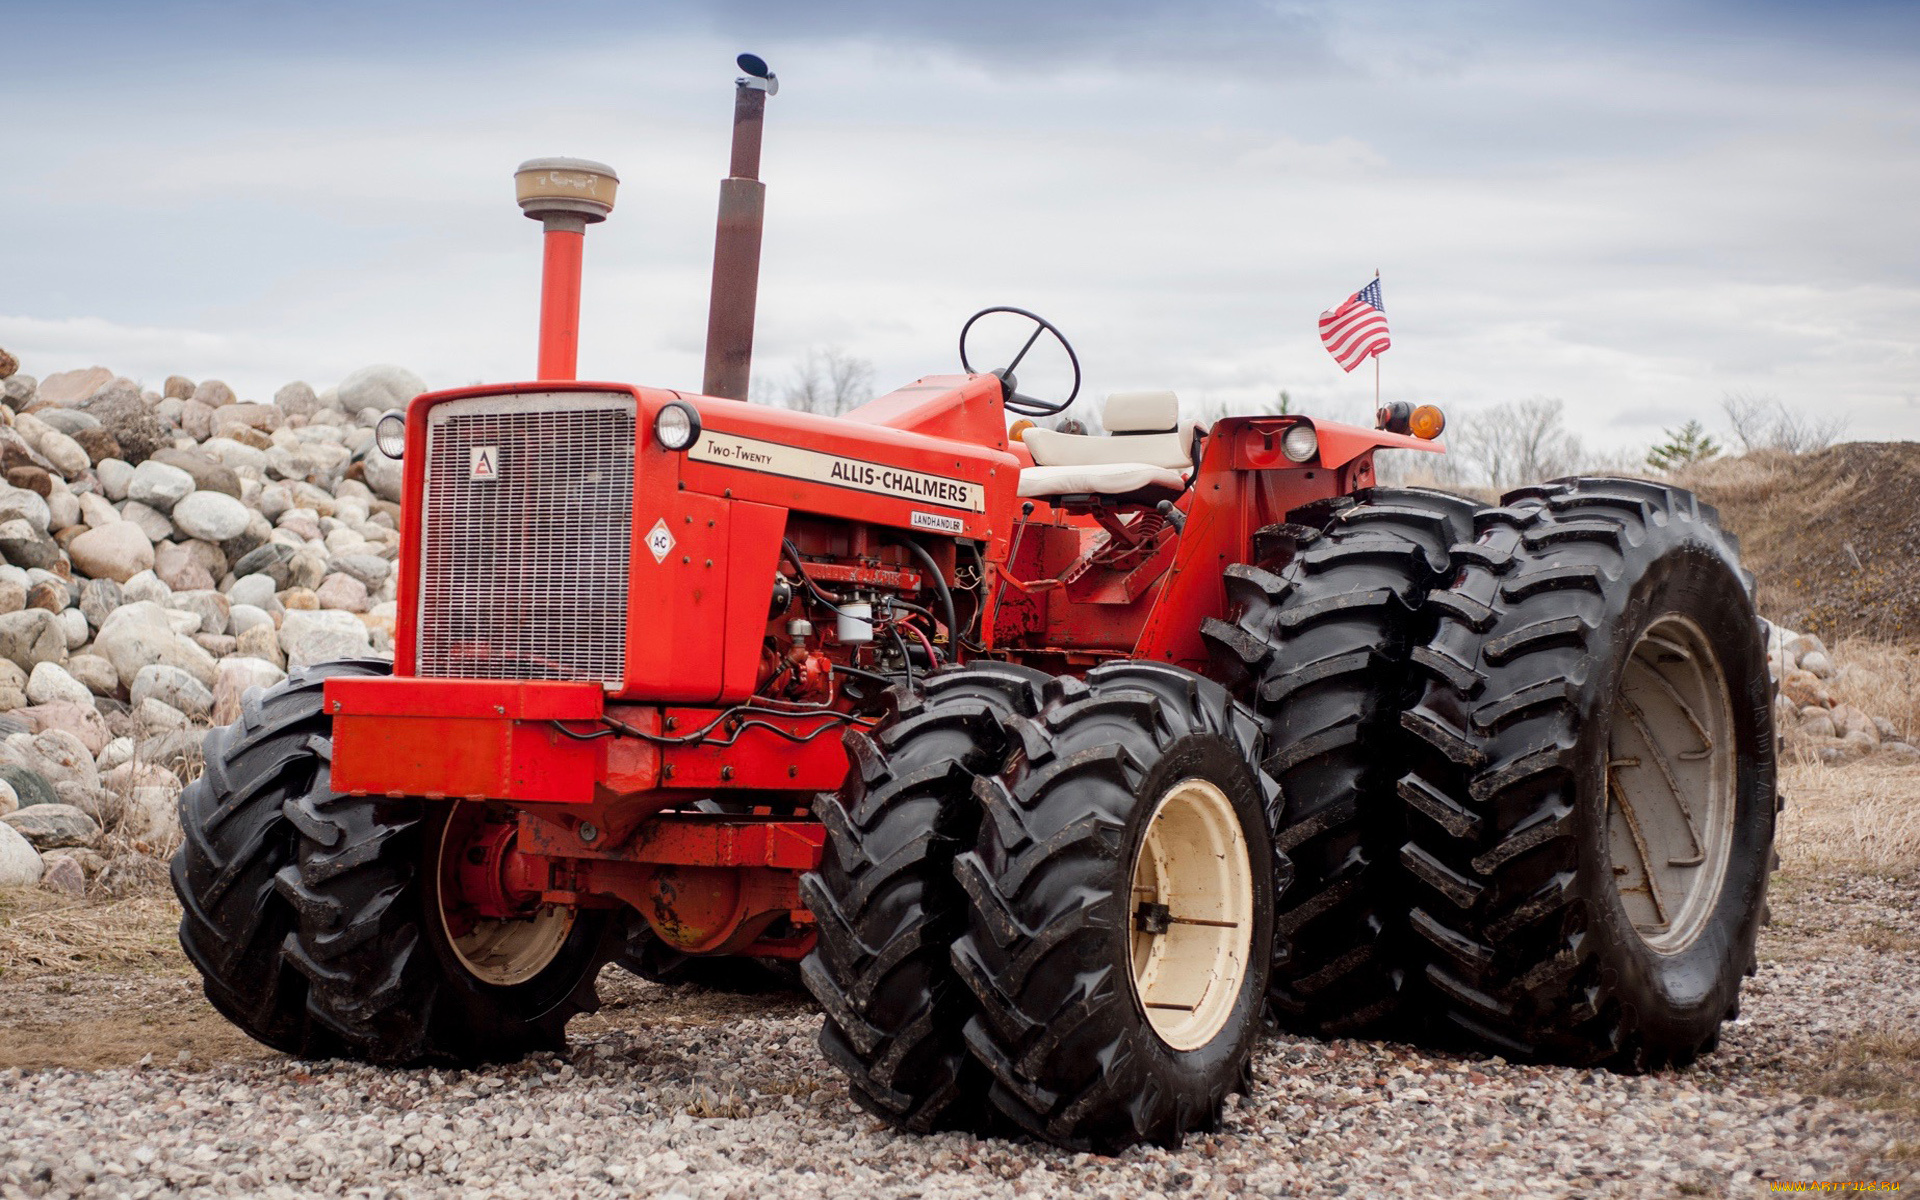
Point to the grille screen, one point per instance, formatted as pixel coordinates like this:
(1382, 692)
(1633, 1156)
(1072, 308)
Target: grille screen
(528, 516)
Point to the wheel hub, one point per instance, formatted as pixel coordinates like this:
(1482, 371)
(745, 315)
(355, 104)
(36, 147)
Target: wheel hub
(500, 937)
(1670, 784)
(1192, 906)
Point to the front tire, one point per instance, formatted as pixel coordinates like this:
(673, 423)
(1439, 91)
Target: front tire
(1121, 910)
(1591, 825)
(886, 900)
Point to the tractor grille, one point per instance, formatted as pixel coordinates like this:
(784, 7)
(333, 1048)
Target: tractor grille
(528, 518)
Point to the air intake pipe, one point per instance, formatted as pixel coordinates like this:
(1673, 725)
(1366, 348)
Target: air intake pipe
(565, 195)
(736, 241)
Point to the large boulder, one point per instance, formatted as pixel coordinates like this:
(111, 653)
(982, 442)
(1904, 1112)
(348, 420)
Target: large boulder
(17, 503)
(131, 422)
(382, 387)
(237, 675)
(50, 682)
(297, 400)
(29, 786)
(20, 864)
(172, 687)
(271, 560)
(69, 457)
(140, 634)
(213, 393)
(50, 825)
(82, 722)
(209, 475)
(159, 485)
(30, 637)
(209, 516)
(318, 635)
(118, 551)
(369, 569)
(384, 475)
(71, 387)
(177, 387)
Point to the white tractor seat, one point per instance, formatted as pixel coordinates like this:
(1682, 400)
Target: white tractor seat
(1146, 448)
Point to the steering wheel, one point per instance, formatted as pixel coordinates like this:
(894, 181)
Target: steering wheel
(1014, 400)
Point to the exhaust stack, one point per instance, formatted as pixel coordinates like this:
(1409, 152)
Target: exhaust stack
(736, 241)
(565, 195)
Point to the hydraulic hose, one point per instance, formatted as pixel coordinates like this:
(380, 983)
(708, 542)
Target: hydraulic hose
(940, 588)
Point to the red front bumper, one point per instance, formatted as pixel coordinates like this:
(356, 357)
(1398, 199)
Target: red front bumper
(468, 739)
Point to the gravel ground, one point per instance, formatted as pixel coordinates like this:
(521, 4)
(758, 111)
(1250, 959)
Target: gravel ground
(675, 1092)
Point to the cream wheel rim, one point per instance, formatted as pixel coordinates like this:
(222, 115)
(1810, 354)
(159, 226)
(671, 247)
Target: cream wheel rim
(500, 951)
(1192, 914)
(1671, 784)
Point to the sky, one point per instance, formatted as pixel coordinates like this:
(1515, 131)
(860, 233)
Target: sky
(1637, 208)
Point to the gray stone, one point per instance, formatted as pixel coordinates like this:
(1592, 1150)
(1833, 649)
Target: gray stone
(20, 864)
(369, 569)
(213, 393)
(29, 786)
(242, 617)
(140, 634)
(50, 681)
(173, 687)
(152, 815)
(238, 675)
(96, 510)
(159, 484)
(26, 505)
(13, 596)
(81, 723)
(51, 825)
(30, 637)
(114, 475)
(261, 642)
(378, 387)
(296, 400)
(64, 453)
(73, 623)
(177, 387)
(131, 422)
(94, 673)
(68, 420)
(312, 636)
(211, 607)
(254, 536)
(152, 716)
(209, 475)
(63, 875)
(151, 521)
(118, 551)
(271, 560)
(24, 546)
(210, 516)
(305, 570)
(64, 509)
(343, 592)
(255, 590)
(179, 569)
(98, 599)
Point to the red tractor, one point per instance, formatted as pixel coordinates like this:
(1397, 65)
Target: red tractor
(1057, 762)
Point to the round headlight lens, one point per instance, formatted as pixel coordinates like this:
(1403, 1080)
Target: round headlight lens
(677, 426)
(1300, 444)
(390, 435)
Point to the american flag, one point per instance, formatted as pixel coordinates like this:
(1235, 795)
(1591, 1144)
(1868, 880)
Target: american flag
(1356, 330)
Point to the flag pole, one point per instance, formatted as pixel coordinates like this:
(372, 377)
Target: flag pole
(1376, 358)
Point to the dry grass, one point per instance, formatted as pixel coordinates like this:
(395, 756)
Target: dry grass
(1862, 817)
(40, 931)
(1875, 1070)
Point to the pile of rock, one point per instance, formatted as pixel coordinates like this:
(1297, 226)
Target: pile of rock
(1813, 718)
(164, 552)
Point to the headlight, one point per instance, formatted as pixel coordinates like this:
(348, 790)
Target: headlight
(390, 435)
(1300, 444)
(677, 426)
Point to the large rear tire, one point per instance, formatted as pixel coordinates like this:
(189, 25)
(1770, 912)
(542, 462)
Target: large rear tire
(886, 900)
(1590, 827)
(1322, 632)
(1121, 910)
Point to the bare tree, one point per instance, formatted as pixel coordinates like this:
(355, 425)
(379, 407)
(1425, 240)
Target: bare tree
(828, 381)
(1766, 423)
(1522, 442)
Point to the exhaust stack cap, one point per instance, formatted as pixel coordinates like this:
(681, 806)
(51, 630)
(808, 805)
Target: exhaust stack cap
(565, 187)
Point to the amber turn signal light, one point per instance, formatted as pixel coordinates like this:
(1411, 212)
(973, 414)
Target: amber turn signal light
(1018, 430)
(1426, 422)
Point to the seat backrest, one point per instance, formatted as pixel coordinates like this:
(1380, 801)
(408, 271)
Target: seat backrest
(1141, 412)
(1143, 427)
